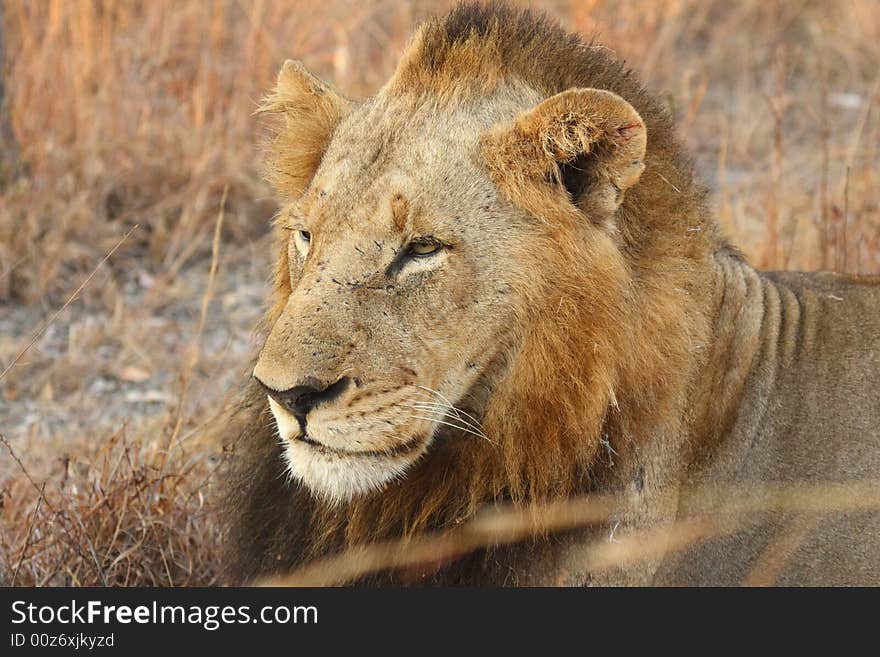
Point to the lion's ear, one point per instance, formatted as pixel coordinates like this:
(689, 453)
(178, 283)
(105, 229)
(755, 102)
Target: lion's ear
(309, 110)
(581, 147)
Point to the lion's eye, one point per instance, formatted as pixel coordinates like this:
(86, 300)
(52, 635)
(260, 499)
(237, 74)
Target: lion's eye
(302, 239)
(424, 248)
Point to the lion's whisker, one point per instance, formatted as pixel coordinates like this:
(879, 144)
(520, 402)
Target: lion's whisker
(439, 421)
(451, 424)
(452, 406)
(437, 408)
(455, 412)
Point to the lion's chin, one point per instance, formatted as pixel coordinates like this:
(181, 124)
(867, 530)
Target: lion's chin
(338, 478)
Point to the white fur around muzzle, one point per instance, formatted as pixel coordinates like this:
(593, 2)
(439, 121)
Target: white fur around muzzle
(334, 477)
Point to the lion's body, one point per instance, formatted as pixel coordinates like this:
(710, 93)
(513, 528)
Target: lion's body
(808, 352)
(577, 311)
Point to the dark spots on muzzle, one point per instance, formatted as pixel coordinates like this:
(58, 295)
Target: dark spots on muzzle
(639, 480)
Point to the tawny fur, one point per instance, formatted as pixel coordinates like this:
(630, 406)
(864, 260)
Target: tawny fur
(634, 329)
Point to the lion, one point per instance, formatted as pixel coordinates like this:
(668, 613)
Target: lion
(499, 282)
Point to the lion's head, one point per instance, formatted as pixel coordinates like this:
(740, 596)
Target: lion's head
(486, 270)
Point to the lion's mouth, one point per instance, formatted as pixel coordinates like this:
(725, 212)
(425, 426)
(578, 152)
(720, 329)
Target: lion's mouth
(402, 449)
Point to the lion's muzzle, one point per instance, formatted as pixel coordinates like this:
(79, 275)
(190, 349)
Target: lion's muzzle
(301, 399)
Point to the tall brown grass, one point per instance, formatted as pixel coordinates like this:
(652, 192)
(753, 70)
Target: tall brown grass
(140, 113)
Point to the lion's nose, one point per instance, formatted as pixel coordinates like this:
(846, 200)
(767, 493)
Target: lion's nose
(301, 399)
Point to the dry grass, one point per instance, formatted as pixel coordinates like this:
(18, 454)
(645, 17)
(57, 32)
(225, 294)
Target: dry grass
(117, 519)
(130, 113)
(715, 512)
